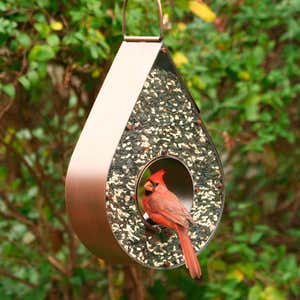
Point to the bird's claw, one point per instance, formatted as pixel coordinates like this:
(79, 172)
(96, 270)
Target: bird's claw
(157, 228)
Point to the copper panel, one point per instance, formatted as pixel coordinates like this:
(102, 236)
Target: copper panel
(91, 159)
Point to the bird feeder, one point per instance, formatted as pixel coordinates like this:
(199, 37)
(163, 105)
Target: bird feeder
(143, 119)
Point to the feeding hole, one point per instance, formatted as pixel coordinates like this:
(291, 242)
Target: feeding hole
(177, 179)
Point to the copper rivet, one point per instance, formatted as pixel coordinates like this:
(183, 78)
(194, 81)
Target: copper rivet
(167, 264)
(220, 185)
(199, 122)
(129, 126)
(164, 50)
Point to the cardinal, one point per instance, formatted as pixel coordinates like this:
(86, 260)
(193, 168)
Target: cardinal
(164, 208)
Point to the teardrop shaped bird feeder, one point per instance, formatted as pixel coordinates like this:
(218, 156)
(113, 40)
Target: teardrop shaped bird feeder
(143, 119)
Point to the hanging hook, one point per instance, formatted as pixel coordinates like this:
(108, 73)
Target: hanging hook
(143, 38)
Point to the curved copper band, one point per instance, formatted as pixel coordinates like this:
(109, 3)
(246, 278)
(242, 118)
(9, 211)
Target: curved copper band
(94, 151)
(143, 38)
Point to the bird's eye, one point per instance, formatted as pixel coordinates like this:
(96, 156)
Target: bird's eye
(153, 183)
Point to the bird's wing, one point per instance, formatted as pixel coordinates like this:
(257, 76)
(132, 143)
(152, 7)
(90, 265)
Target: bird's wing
(170, 207)
(175, 217)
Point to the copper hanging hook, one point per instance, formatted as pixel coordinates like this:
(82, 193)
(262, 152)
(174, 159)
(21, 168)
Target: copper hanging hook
(143, 38)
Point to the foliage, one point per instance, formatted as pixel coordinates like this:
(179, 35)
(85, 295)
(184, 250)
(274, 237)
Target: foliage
(240, 60)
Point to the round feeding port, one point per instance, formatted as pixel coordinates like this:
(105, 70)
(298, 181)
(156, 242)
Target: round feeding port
(177, 178)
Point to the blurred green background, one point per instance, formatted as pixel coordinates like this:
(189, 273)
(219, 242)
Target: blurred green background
(241, 61)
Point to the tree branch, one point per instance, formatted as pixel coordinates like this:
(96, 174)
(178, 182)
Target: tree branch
(12, 213)
(13, 277)
(37, 176)
(110, 281)
(58, 265)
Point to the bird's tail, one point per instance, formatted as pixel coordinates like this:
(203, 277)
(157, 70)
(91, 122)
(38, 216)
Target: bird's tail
(189, 254)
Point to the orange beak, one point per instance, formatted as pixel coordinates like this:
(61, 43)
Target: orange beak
(148, 186)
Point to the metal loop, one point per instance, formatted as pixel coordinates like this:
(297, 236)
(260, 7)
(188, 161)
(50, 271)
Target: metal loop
(143, 38)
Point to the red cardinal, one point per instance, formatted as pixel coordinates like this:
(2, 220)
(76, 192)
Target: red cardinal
(164, 208)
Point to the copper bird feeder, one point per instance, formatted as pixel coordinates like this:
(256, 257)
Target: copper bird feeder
(143, 119)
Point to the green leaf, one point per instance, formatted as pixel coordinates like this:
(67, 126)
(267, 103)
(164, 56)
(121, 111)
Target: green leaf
(237, 226)
(9, 90)
(43, 29)
(251, 108)
(254, 292)
(25, 82)
(94, 51)
(2, 6)
(256, 236)
(41, 53)
(272, 293)
(33, 77)
(23, 39)
(53, 40)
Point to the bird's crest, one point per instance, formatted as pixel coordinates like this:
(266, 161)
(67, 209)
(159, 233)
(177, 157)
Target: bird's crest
(158, 176)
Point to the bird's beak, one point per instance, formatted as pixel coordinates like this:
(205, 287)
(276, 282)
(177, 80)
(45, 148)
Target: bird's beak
(148, 186)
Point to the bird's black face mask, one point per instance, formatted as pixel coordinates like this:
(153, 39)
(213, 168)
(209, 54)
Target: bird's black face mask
(150, 187)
